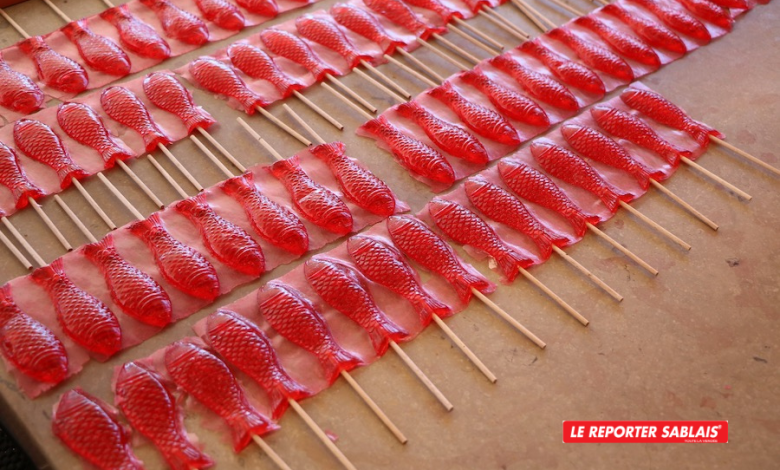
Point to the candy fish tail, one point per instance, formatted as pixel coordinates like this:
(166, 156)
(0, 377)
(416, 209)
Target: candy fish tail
(610, 199)
(47, 274)
(701, 133)
(327, 152)
(188, 457)
(247, 424)
(21, 194)
(384, 333)
(579, 221)
(67, 172)
(511, 262)
(426, 306)
(390, 45)
(142, 228)
(97, 251)
(199, 118)
(113, 154)
(337, 359)
(545, 244)
(642, 176)
(465, 283)
(287, 390)
(282, 167)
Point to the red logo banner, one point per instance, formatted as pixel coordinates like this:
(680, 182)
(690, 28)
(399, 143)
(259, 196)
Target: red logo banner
(645, 432)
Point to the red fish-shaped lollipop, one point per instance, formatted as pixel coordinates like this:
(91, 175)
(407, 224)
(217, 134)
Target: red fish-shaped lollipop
(358, 184)
(424, 246)
(572, 169)
(254, 62)
(466, 228)
(569, 72)
(91, 429)
(86, 127)
(653, 33)
(594, 56)
(318, 204)
(447, 136)
(179, 24)
(399, 13)
(267, 8)
(343, 289)
(124, 107)
(711, 12)
(677, 19)
(228, 243)
(150, 406)
(136, 35)
(446, 13)
(204, 376)
(411, 153)
(167, 93)
(365, 24)
(538, 85)
(39, 142)
(83, 317)
(219, 78)
(508, 102)
(98, 52)
(13, 177)
(182, 266)
(385, 265)
(224, 14)
(292, 47)
(296, 319)
(28, 345)
(503, 207)
(622, 43)
(247, 348)
(57, 71)
(136, 293)
(596, 146)
(484, 121)
(627, 126)
(276, 224)
(325, 31)
(659, 109)
(18, 92)
(533, 185)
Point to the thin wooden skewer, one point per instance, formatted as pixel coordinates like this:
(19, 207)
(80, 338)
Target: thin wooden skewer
(69, 212)
(133, 176)
(270, 452)
(569, 8)
(56, 10)
(95, 206)
(504, 24)
(180, 167)
(115, 191)
(479, 33)
(684, 204)
(539, 24)
(421, 375)
(108, 4)
(420, 64)
(465, 349)
(603, 2)
(349, 103)
(538, 14)
(49, 224)
(655, 225)
(744, 154)
(283, 126)
(321, 435)
(277, 156)
(222, 149)
(716, 178)
(596, 280)
(509, 319)
(410, 70)
(374, 407)
(630, 254)
(304, 124)
(25, 244)
(462, 52)
(14, 24)
(318, 110)
(443, 55)
(15, 251)
(167, 177)
(378, 85)
(349, 91)
(212, 157)
(389, 81)
(473, 40)
(555, 297)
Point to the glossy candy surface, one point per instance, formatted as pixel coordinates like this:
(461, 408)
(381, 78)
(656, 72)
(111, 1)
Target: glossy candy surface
(325, 31)
(711, 12)
(254, 62)
(365, 24)
(508, 102)
(446, 13)
(538, 85)
(223, 13)
(594, 56)
(39, 142)
(292, 47)
(655, 34)
(569, 72)
(135, 35)
(98, 52)
(167, 93)
(267, 8)
(18, 92)
(628, 46)
(13, 177)
(86, 127)
(57, 71)
(219, 78)
(400, 13)
(124, 107)
(677, 19)
(179, 24)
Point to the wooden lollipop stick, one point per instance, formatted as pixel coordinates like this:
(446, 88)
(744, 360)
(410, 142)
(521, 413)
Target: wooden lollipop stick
(374, 407)
(465, 349)
(49, 224)
(603, 2)
(630, 254)
(167, 177)
(684, 204)
(69, 212)
(462, 52)
(443, 55)
(346, 101)
(318, 110)
(95, 206)
(410, 70)
(277, 156)
(658, 228)
(321, 435)
(473, 40)
(595, 279)
(14, 24)
(420, 64)
(378, 85)
(744, 154)
(108, 4)
(716, 178)
(504, 24)
(15, 251)
(349, 91)
(225, 171)
(222, 149)
(389, 81)
(509, 319)
(569, 8)
(184, 171)
(538, 14)
(421, 375)
(555, 297)
(536, 21)
(270, 452)
(478, 33)
(56, 10)
(283, 126)
(140, 184)
(304, 124)
(25, 244)
(115, 191)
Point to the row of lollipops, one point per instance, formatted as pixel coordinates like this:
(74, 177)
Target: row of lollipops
(296, 335)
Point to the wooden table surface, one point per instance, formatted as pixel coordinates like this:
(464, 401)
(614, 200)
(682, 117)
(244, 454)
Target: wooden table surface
(697, 342)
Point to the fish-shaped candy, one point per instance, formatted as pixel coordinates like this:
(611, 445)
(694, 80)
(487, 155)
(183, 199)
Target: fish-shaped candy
(167, 93)
(292, 47)
(13, 177)
(86, 127)
(18, 92)
(594, 56)
(267, 8)
(568, 71)
(677, 19)
(54, 69)
(39, 142)
(124, 107)
(254, 62)
(326, 32)
(655, 34)
(99, 52)
(710, 11)
(182, 266)
(365, 24)
(222, 13)
(622, 43)
(508, 102)
(177, 23)
(217, 77)
(399, 13)
(446, 13)
(135, 35)
(83, 317)
(538, 85)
